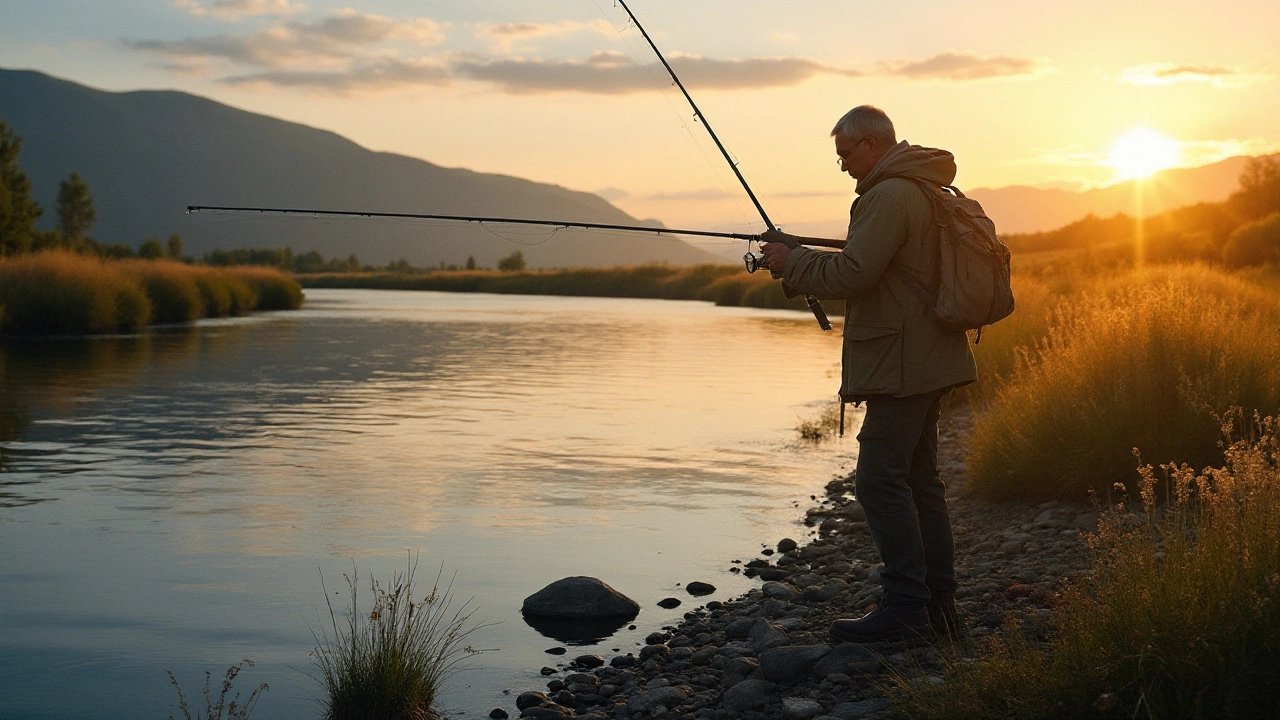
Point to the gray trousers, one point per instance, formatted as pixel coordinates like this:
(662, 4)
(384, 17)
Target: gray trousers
(898, 485)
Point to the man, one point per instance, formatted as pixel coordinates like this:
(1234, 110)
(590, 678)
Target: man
(897, 359)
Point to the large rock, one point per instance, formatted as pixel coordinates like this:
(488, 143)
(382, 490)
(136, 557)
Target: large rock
(847, 659)
(668, 697)
(747, 695)
(800, 708)
(765, 635)
(791, 663)
(579, 598)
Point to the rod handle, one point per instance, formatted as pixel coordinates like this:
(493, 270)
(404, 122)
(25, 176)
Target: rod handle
(818, 312)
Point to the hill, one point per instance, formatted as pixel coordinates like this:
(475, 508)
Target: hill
(1022, 209)
(146, 155)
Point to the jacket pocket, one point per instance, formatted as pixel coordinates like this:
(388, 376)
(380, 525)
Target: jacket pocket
(872, 361)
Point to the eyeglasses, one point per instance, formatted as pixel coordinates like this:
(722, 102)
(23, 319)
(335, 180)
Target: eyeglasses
(840, 156)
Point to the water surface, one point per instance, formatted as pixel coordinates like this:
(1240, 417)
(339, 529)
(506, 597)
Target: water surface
(170, 501)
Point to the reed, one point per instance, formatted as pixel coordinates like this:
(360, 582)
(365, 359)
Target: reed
(59, 292)
(1140, 360)
(170, 286)
(389, 661)
(62, 293)
(1181, 617)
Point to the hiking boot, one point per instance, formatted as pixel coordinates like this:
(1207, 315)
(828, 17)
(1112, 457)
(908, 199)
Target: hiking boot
(942, 616)
(883, 623)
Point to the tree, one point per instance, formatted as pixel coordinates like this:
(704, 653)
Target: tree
(173, 247)
(1259, 193)
(75, 207)
(512, 263)
(151, 249)
(471, 262)
(18, 212)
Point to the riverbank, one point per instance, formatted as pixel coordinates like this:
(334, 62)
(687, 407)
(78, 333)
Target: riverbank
(767, 654)
(727, 285)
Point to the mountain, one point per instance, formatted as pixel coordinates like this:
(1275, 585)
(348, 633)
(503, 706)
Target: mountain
(1021, 209)
(147, 155)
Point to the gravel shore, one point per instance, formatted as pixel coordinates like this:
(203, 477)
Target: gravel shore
(767, 654)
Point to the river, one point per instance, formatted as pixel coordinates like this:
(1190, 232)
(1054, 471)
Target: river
(171, 501)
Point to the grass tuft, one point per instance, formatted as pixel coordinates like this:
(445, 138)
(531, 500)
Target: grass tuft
(1180, 620)
(388, 661)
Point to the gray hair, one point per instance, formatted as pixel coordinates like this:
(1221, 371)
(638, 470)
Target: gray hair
(866, 121)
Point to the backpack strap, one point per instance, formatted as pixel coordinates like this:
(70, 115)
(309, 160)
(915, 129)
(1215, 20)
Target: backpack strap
(930, 298)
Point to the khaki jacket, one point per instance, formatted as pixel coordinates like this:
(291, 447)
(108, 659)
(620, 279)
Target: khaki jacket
(893, 345)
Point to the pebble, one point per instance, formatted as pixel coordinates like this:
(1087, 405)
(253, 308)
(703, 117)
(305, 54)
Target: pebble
(766, 655)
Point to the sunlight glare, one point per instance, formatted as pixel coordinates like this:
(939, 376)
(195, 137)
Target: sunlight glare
(1141, 152)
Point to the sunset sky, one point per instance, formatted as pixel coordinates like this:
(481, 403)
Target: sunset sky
(563, 91)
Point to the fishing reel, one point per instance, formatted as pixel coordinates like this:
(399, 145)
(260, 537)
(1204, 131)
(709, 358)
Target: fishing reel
(753, 262)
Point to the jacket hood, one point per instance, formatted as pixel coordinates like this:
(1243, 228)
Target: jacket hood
(913, 162)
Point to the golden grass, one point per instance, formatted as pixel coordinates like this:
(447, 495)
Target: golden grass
(1181, 619)
(1136, 360)
(58, 292)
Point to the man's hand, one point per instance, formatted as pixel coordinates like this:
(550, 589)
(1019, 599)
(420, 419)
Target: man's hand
(775, 256)
(777, 236)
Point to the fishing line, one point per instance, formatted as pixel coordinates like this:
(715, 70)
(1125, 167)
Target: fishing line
(662, 85)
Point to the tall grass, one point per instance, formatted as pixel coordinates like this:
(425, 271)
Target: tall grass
(1181, 619)
(1139, 360)
(387, 662)
(60, 292)
(274, 290)
(64, 293)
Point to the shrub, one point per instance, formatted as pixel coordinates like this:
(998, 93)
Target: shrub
(1181, 618)
(388, 662)
(1255, 243)
(1141, 360)
(59, 292)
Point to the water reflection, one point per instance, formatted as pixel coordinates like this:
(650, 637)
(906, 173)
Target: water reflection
(577, 631)
(202, 477)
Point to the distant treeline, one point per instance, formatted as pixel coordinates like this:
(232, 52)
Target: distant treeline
(720, 284)
(314, 262)
(1242, 231)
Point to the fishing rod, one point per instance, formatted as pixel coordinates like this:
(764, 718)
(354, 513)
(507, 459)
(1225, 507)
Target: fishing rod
(751, 260)
(472, 219)
(192, 209)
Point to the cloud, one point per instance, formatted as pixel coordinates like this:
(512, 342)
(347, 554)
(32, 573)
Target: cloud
(961, 66)
(325, 43)
(613, 73)
(236, 9)
(1158, 73)
(382, 75)
(503, 37)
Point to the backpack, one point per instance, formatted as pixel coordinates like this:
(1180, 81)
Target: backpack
(973, 288)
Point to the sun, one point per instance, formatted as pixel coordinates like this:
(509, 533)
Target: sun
(1141, 152)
